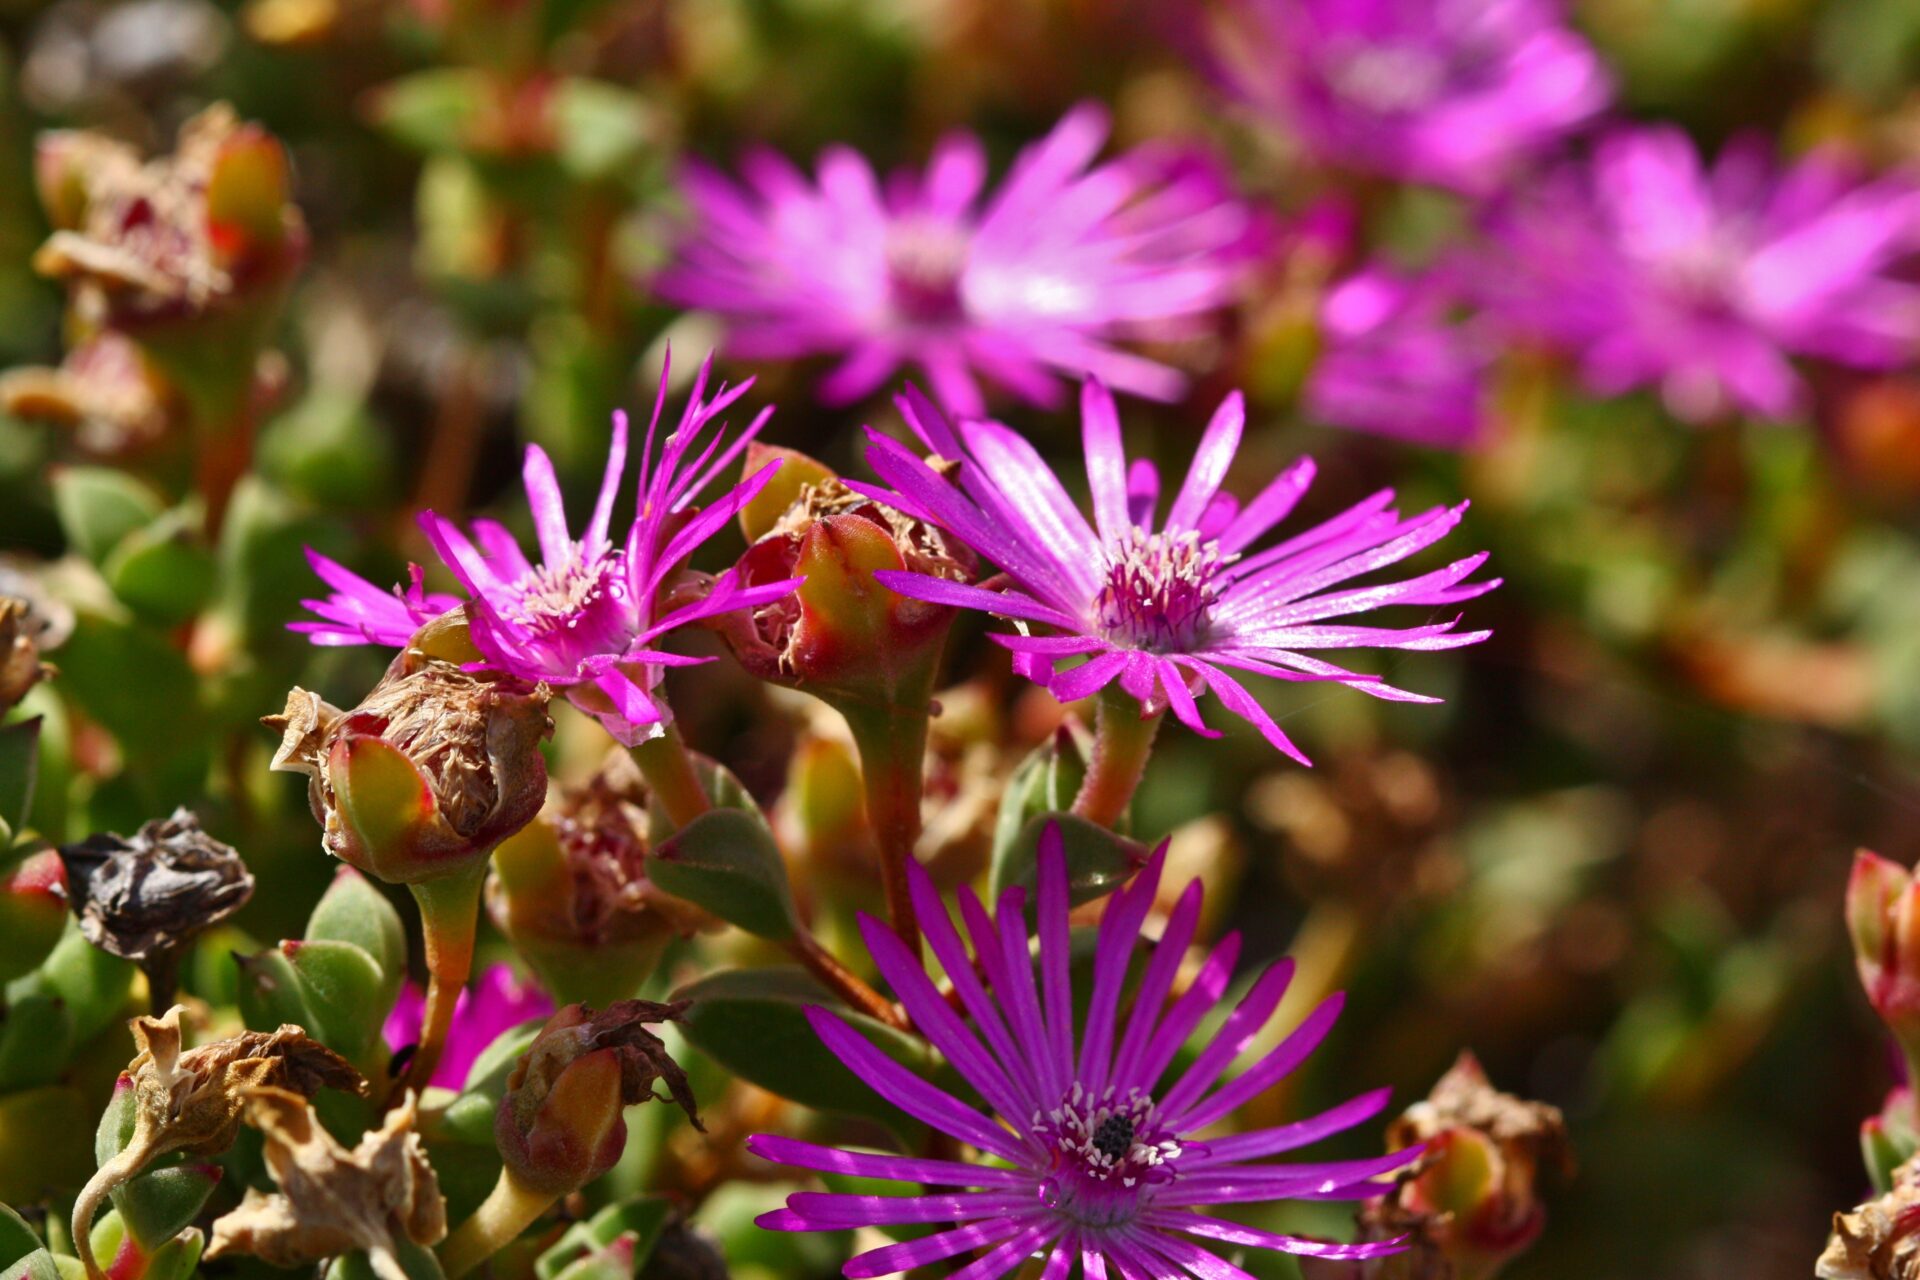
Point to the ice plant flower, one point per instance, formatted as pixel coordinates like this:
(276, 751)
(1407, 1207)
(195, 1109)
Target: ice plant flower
(584, 620)
(1395, 363)
(1449, 92)
(1171, 607)
(1091, 1137)
(1049, 273)
(1656, 269)
(358, 612)
(496, 1002)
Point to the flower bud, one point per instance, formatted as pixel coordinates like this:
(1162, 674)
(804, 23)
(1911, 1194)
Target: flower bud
(1470, 1203)
(33, 912)
(1883, 920)
(841, 635)
(432, 770)
(570, 891)
(560, 1124)
(143, 899)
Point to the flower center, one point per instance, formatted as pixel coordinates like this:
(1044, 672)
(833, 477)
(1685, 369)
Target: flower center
(925, 261)
(1158, 590)
(579, 606)
(1388, 79)
(1106, 1154)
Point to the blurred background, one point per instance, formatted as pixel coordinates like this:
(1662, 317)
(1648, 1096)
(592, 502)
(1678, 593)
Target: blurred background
(1612, 863)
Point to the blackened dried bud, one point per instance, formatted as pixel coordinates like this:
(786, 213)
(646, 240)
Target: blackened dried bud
(20, 665)
(191, 1100)
(143, 899)
(378, 1198)
(841, 629)
(1879, 1240)
(570, 890)
(435, 767)
(560, 1123)
(1470, 1203)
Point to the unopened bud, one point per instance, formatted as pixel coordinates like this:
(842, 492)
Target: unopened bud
(432, 770)
(841, 635)
(1883, 920)
(570, 891)
(560, 1124)
(33, 912)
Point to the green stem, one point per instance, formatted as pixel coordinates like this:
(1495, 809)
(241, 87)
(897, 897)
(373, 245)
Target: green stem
(892, 741)
(449, 917)
(672, 777)
(1122, 742)
(499, 1220)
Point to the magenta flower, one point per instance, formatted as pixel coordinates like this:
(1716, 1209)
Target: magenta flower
(587, 618)
(1175, 607)
(1090, 1135)
(1055, 268)
(1449, 92)
(1396, 362)
(357, 612)
(493, 1005)
(1657, 270)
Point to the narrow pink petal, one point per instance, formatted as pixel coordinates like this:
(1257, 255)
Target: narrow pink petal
(549, 513)
(1276, 1065)
(862, 1164)
(1210, 462)
(1106, 460)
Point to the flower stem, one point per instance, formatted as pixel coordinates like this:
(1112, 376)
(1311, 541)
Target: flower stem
(824, 965)
(449, 916)
(108, 1176)
(499, 1220)
(1122, 742)
(671, 776)
(892, 741)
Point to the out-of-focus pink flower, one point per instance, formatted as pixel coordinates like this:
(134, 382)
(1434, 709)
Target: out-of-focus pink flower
(1656, 269)
(1450, 92)
(1397, 362)
(1062, 262)
(495, 1003)
(1174, 606)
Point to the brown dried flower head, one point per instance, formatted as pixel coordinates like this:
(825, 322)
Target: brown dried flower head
(1879, 1240)
(1470, 1203)
(435, 767)
(191, 1100)
(143, 898)
(560, 1122)
(20, 665)
(104, 391)
(332, 1200)
(174, 237)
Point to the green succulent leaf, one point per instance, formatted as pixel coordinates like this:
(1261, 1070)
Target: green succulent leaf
(726, 861)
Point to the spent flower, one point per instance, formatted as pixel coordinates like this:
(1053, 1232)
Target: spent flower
(1085, 1156)
(1050, 274)
(1172, 607)
(376, 1198)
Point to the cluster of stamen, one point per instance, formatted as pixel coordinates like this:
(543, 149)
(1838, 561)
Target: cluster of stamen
(925, 261)
(1158, 590)
(1105, 1151)
(554, 599)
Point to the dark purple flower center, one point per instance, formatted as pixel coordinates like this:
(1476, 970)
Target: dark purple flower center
(925, 262)
(577, 608)
(1158, 590)
(1105, 1154)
